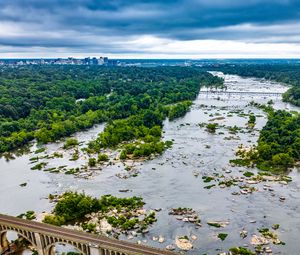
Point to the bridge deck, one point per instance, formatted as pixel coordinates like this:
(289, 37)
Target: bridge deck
(82, 237)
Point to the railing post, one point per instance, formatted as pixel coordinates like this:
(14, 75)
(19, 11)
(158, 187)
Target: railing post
(94, 251)
(40, 248)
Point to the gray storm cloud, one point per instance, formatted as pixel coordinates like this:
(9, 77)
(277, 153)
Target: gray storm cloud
(87, 25)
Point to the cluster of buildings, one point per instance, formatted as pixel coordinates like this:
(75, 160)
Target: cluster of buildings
(102, 61)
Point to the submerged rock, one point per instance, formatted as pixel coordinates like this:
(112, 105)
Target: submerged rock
(282, 199)
(243, 234)
(170, 247)
(194, 237)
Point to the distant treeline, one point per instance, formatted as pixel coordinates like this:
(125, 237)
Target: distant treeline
(285, 73)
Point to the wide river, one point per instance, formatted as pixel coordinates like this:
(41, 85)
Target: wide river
(174, 179)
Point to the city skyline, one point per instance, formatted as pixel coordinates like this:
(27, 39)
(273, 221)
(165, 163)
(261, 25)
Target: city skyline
(188, 29)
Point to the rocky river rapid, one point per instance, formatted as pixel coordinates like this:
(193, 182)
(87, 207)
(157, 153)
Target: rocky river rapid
(174, 179)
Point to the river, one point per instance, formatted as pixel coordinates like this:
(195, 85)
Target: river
(174, 178)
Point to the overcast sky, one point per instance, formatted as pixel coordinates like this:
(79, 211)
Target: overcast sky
(150, 29)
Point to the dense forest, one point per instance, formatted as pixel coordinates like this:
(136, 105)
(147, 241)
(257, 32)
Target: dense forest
(50, 102)
(278, 147)
(279, 141)
(285, 73)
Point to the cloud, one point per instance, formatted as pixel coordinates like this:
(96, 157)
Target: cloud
(112, 26)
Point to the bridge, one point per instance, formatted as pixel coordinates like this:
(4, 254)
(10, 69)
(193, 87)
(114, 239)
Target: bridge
(44, 237)
(229, 93)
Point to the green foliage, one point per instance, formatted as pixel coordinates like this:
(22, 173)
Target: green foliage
(222, 236)
(211, 127)
(54, 220)
(75, 155)
(70, 142)
(283, 160)
(90, 227)
(241, 251)
(179, 109)
(92, 162)
(248, 174)
(265, 232)
(39, 166)
(292, 95)
(146, 131)
(150, 218)
(234, 129)
(29, 215)
(123, 155)
(102, 157)
(123, 222)
(145, 126)
(251, 121)
(278, 145)
(214, 224)
(207, 179)
(40, 101)
(279, 142)
(40, 150)
(74, 206)
(168, 144)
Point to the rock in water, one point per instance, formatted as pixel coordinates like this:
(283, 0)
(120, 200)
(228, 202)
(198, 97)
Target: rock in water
(183, 243)
(161, 239)
(243, 234)
(105, 227)
(170, 247)
(259, 240)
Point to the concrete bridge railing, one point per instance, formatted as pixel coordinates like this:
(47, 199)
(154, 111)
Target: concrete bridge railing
(44, 237)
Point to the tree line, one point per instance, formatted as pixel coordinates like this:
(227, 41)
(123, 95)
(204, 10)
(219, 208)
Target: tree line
(47, 103)
(285, 73)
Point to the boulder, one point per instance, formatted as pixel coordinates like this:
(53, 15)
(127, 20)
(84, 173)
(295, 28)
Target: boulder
(183, 243)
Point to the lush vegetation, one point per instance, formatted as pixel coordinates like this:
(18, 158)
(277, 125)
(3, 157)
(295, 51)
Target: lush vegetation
(119, 212)
(179, 109)
(29, 215)
(211, 127)
(145, 126)
(251, 121)
(279, 141)
(278, 145)
(74, 206)
(241, 251)
(292, 95)
(50, 102)
(143, 131)
(71, 142)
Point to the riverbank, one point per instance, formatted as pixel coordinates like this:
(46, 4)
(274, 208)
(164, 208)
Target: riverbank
(174, 179)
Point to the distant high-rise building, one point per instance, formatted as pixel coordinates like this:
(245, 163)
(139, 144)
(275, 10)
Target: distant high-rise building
(101, 61)
(86, 61)
(94, 61)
